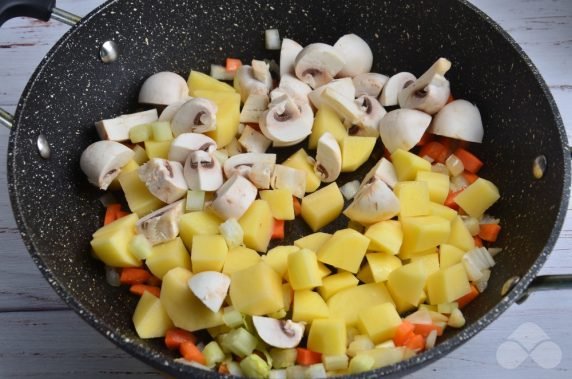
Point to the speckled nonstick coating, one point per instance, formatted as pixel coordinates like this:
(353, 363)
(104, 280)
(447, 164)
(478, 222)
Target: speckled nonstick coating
(57, 210)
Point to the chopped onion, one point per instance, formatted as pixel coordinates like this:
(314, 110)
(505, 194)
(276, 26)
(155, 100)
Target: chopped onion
(458, 183)
(360, 343)
(473, 271)
(220, 73)
(350, 189)
(195, 201)
(431, 339)
(440, 168)
(457, 320)
(112, 276)
(481, 284)
(192, 363)
(437, 317)
(422, 317)
(488, 219)
(455, 165)
(316, 371)
(272, 39)
(472, 224)
(278, 374)
(494, 251)
(232, 233)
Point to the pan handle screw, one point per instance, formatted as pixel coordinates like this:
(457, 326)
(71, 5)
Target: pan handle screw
(539, 166)
(509, 284)
(43, 147)
(109, 52)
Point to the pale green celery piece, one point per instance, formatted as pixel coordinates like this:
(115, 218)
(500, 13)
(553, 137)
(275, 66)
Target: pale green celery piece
(161, 131)
(218, 330)
(140, 133)
(232, 317)
(283, 358)
(213, 353)
(254, 367)
(223, 342)
(140, 247)
(295, 372)
(315, 371)
(447, 307)
(195, 200)
(360, 343)
(278, 374)
(240, 342)
(361, 363)
(280, 314)
(140, 155)
(335, 362)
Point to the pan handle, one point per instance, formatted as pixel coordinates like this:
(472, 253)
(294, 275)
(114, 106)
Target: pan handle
(546, 283)
(39, 9)
(6, 119)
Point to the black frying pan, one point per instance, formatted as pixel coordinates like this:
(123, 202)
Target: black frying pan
(57, 210)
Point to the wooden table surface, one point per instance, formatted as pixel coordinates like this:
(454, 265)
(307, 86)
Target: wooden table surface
(41, 337)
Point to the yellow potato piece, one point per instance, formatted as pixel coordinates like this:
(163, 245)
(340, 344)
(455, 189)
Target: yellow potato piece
(303, 270)
(478, 197)
(257, 224)
(379, 322)
(423, 233)
(385, 236)
(227, 115)
(208, 253)
(460, 235)
(280, 201)
(300, 161)
(407, 164)
(197, 223)
(112, 248)
(438, 185)
(448, 284)
(336, 283)
(256, 290)
(130, 166)
(413, 198)
(347, 303)
(150, 318)
(442, 211)
(239, 258)
(277, 258)
(322, 207)
(157, 149)
(168, 256)
(365, 275)
(198, 81)
(449, 255)
(408, 281)
(328, 336)
(356, 150)
(345, 250)
(128, 223)
(313, 241)
(308, 306)
(139, 199)
(381, 265)
(326, 120)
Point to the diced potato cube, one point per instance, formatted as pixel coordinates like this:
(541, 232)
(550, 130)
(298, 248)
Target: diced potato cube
(442, 211)
(344, 250)
(167, 256)
(323, 206)
(161, 131)
(430, 262)
(132, 165)
(460, 236)
(287, 296)
(126, 223)
(277, 258)
(336, 283)
(328, 336)
(365, 275)
(401, 304)
(347, 304)
(199, 81)
(227, 115)
(112, 248)
(385, 356)
(438, 185)
(257, 223)
(197, 223)
(355, 151)
(256, 290)
(413, 198)
(407, 164)
(140, 155)
(478, 197)
(300, 160)
(408, 281)
(448, 284)
(379, 322)
(326, 120)
(323, 270)
(303, 271)
(385, 236)
(425, 232)
(308, 306)
(157, 149)
(449, 255)
(150, 318)
(313, 241)
(138, 197)
(239, 258)
(140, 133)
(381, 265)
(281, 204)
(208, 253)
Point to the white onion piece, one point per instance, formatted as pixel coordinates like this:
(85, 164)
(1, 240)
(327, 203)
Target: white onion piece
(455, 165)
(421, 317)
(220, 73)
(440, 168)
(272, 39)
(482, 283)
(112, 276)
(493, 251)
(488, 219)
(472, 224)
(350, 189)
(431, 339)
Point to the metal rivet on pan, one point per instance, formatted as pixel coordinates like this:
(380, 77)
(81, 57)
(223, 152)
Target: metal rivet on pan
(539, 166)
(43, 146)
(509, 284)
(109, 52)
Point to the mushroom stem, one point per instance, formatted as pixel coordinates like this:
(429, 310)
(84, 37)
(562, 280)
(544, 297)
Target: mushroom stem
(234, 197)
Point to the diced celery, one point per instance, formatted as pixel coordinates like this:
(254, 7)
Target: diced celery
(232, 317)
(195, 201)
(216, 331)
(232, 232)
(254, 367)
(456, 319)
(315, 371)
(280, 314)
(213, 354)
(283, 358)
(278, 374)
(335, 362)
(140, 247)
(140, 155)
(140, 133)
(295, 372)
(360, 343)
(361, 363)
(239, 342)
(447, 307)
(161, 131)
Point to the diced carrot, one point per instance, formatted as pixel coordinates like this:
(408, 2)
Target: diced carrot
(449, 143)
(307, 357)
(191, 352)
(425, 139)
(122, 214)
(435, 150)
(469, 177)
(111, 213)
(466, 299)
(416, 343)
(425, 329)
(297, 206)
(176, 336)
(153, 281)
(134, 275)
(232, 64)
(450, 200)
(278, 230)
(489, 232)
(139, 289)
(470, 161)
(450, 99)
(223, 369)
(403, 333)
(478, 241)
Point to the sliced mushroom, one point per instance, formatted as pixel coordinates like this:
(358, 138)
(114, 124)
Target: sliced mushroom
(344, 86)
(163, 88)
(318, 64)
(383, 170)
(117, 129)
(297, 89)
(394, 86)
(234, 148)
(210, 287)
(102, 161)
(403, 128)
(288, 53)
(242, 163)
(253, 141)
(430, 92)
(248, 84)
(253, 108)
(197, 115)
(289, 178)
(287, 122)
(357, 54)
(261, 72)
(346, 108)
(459, 119)
(202, 171)
(374, 202)
(373, 113)
(234, 197)
(164, 179)
(369, 83)
(260, 174)
(328, 158)
(161, 225)
(170, 111)
(186, 143)
(283, 334)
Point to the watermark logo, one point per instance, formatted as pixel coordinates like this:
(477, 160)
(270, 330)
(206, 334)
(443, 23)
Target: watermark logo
(529, 340)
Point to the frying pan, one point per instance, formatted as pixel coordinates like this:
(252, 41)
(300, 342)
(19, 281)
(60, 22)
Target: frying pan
(57, 210)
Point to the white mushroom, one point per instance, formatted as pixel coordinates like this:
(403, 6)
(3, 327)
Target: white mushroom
(261, 174)
(117, 129)
(197, 115)
(344, 86)
(248, 84)
(287, 122)
(234, 148)
(210, 287)
(369, 83)
(186, 143)
(383, 170)
(373, 113)
(459, 119)
(202, 171)
(374, 202)
(346, 108)
(297, 89)
(430, 92)
(289, 178)
(261, 72)
(357, 54)
(403, 128)
(253, 108)
(283, 334)
(102, 161)
(253, 141)
(161, 225)
(164, 179)
(170, 111)
(394, 86)
(288, 53)
(328, 164)
(234, 197)
(163, 88)
(318, 64)
(242, 163)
